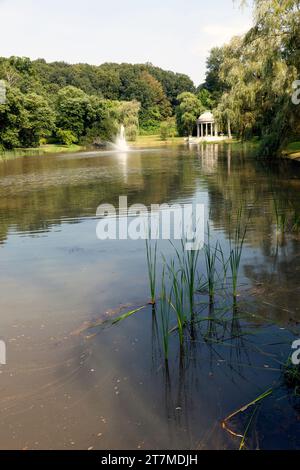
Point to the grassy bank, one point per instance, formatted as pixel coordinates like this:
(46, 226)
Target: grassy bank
(148, 141)
(145, 141)
(292, 151)
(42, 150)
(155, 141)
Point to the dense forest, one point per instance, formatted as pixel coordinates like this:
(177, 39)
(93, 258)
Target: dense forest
(78, 103)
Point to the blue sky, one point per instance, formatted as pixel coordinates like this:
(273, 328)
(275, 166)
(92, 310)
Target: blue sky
(174, 34)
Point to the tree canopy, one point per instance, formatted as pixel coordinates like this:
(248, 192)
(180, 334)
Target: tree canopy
(84, 102)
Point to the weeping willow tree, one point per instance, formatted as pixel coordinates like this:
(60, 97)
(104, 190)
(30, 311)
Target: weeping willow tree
(257, 75)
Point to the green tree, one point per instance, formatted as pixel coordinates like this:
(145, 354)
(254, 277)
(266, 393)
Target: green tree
(66, 137)
(206, 99)
(214, 83)
(189, 109)
(155, 106)
(39, 120)
(12, 117)
(168, 129)
(24, 119)
(256, 73)
(128, 115)
(74, 110)
(85, 97)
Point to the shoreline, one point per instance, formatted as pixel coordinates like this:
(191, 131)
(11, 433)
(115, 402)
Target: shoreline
(292, 151)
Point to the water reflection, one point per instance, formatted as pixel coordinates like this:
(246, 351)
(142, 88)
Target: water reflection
(112, 390)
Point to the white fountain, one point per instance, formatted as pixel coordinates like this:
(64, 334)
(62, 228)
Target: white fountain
(121, 143)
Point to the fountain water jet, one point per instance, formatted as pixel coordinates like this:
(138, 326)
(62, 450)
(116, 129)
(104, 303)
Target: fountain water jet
(121, 143)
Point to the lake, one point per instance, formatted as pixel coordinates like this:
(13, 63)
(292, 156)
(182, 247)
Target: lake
(71, 382)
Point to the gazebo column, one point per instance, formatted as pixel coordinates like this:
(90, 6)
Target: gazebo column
(206, 130)
(201, 130)
(198, 130)
(216, 130)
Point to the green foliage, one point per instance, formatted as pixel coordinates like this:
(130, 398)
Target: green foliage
(128, 115)
(214, 81)
(154, 104)
(291, 374)
(251, 77)
(168, 129)
(66, 137)
(206, 98)
(39, 121)
(12, 116)
(89, 101)
(189, 109)
(74, 110)
(24, 119)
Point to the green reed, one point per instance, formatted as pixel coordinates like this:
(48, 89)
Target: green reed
(177, 298)
(165, 316)
(236, 249)
(225, 264)
(211, 257)
(188, 260)
(152, 267)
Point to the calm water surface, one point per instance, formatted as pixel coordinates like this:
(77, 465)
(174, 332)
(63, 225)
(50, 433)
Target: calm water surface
(69, 385)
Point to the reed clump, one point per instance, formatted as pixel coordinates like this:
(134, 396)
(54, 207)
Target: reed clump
(182, 300)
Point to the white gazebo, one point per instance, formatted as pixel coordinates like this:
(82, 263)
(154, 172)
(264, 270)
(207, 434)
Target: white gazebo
(206, 126)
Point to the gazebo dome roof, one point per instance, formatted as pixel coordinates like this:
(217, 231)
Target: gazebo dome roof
(206, 117)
